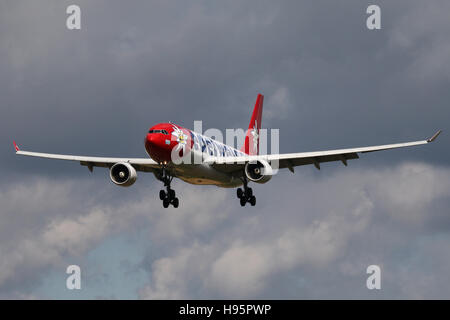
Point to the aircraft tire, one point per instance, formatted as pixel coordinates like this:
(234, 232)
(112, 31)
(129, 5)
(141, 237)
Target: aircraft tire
(253, 201)
(176, 202)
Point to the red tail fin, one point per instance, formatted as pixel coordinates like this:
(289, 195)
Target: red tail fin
(251, 143)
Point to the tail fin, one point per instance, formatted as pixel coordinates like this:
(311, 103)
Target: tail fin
(251, 143)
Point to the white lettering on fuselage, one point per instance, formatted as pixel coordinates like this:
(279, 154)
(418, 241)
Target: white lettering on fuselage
(212, 147)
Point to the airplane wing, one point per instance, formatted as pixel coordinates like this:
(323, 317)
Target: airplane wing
(230, 164)
(140, 164)
(291, 160)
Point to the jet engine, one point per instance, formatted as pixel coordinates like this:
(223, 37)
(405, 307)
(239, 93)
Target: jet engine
(123, 174)
(259, 171)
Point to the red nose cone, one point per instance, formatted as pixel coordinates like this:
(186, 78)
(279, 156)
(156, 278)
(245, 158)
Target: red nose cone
(163, 138)
(158, 147)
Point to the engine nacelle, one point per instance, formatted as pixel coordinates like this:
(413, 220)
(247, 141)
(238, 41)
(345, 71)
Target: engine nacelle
(259, 171)
(123, 174)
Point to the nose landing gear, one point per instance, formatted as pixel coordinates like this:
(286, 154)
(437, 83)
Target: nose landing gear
(246, 195)
(168, 197)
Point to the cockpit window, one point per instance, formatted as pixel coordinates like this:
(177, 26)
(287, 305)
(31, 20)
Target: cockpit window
(158, 131)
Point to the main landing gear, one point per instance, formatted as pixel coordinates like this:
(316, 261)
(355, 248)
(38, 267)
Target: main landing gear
(246, 195)
(168, 197)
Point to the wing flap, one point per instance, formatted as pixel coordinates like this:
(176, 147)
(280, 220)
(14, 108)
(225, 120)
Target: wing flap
(294, 162)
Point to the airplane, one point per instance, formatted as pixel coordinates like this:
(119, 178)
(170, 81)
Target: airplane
(220, 165)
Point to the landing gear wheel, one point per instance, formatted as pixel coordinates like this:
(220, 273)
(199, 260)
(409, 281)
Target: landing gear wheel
(167, 196)
(176, 202)
(245, 194)
(252, 201)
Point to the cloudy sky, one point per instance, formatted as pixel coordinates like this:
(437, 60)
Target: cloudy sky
(328, 82)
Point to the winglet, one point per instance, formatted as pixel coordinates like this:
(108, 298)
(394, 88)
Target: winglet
(15, 146)
(434, 136)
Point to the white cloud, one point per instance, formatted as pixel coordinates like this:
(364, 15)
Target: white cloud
(343, 220)
(60, 228)
(362, 203)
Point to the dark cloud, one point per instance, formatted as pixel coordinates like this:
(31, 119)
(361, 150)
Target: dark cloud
(97, 90)
(328, 82)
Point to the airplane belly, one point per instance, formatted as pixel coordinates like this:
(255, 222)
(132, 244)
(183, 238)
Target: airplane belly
(204, 174)
(191, 170)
